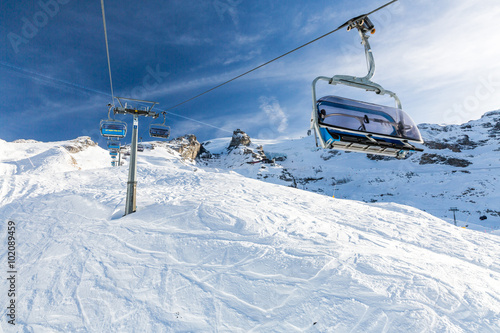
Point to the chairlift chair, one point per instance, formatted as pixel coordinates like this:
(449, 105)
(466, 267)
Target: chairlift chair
(112, 128)
(114, 145)
(160, 130)
(345, 124)
(113, 153)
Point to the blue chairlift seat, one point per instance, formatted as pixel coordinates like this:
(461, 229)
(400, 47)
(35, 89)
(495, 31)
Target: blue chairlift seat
(113, 128)
(113, 145)
(359, 126)
(113, 153)
(159, 131)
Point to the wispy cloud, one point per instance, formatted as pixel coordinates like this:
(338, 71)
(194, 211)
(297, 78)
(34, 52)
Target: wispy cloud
(277, 117)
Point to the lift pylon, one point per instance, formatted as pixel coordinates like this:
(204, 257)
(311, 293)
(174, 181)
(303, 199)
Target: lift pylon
(124, 108)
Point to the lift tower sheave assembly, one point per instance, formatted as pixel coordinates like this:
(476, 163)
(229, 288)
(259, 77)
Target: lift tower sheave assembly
(130, 205)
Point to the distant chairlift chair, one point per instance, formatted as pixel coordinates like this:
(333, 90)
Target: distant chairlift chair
(345, 124)
(114, 145)
(160, 130)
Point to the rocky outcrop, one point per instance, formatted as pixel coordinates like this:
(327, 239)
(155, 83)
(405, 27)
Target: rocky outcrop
(79, 144)
(494, 124)
(379, 157)
(242, 145)
(461, 143)
(439, 159)
(187, 145)
(442, 145)
(239, 138)
(25, 141)
(466, 143)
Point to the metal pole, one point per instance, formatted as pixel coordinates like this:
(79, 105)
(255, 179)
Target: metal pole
(454, 209)
(130, 205)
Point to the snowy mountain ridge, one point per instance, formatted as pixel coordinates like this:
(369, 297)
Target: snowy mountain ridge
(459, 168)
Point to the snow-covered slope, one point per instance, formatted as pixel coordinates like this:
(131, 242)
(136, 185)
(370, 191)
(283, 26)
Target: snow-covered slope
(459, 168)
(212, 251)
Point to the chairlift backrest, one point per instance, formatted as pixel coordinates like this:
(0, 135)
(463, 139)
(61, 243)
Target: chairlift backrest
(113, 128)
(160, 130)
(356, 116)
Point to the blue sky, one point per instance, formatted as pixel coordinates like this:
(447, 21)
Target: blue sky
(441, 57)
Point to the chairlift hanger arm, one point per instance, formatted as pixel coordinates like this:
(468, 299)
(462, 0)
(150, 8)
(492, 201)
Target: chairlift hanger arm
(363, 24)
(164, 113)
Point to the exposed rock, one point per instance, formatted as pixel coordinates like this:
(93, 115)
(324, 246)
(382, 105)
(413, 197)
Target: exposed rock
(496, 128)
(491, 114)
(187, 145)
(274, 157)
(239, 138)
(380, 157)
(442, 145)
(79, 144)
(493, 212)
(205, 153)
(288, 177)
(461, 143)
(328, 154)
(341, 181)
(439, 159)
(255, 154)
(242, 145)
(307, 180)
(466, 143)
(25, 141)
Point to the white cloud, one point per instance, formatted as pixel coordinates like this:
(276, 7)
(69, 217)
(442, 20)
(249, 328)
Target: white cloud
(437, 55)
(277, 117)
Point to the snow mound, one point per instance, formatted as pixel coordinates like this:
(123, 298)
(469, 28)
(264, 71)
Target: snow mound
(30, 156)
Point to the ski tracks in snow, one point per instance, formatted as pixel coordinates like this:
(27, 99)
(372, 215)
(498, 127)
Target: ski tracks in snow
(214, 251)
